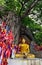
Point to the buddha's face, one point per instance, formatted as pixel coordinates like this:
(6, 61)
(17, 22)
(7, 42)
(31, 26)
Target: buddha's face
(23, 40)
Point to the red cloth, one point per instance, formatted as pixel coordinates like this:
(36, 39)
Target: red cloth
(0, 44)
(10, 35)
(3, 32)
(5, 42)
(6, 37)
(8, 53)
(3, 46)
(4, 63)
(2, 55)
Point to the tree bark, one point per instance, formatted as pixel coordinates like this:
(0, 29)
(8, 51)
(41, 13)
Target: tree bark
(15, 26)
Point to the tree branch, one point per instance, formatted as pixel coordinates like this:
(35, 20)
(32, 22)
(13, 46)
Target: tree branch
(27, 12)
(22, 5)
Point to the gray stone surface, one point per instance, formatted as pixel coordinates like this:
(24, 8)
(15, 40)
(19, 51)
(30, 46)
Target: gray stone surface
(25, 62)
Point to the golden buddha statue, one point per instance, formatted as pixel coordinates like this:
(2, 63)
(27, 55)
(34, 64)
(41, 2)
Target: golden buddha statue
(24, 46)
(24, 50)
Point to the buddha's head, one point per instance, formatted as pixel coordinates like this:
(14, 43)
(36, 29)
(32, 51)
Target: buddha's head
(23, 40)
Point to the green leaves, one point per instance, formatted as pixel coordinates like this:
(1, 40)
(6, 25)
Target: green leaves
(38, 38)
(2, 2)
(12, 5)
(9, 5)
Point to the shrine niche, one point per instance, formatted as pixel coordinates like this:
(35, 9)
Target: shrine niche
(26, 33)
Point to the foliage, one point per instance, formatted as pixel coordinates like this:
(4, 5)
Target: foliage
(32, 25)
(38, 38)
(2, 2)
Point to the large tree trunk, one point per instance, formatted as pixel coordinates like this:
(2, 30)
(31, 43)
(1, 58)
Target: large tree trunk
(16, 30)
(14, 22)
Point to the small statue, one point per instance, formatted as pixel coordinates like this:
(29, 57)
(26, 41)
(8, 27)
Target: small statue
(24, 47)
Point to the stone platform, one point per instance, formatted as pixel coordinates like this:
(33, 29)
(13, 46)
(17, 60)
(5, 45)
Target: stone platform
(34, 61)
